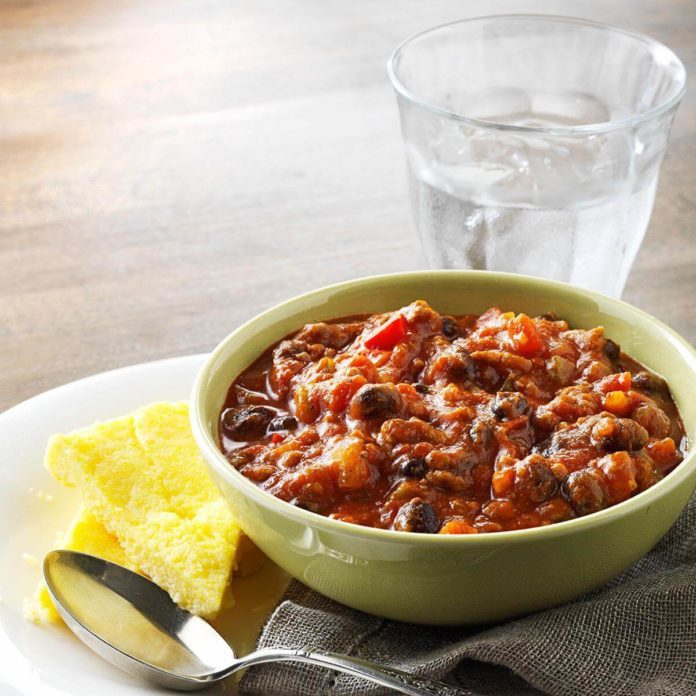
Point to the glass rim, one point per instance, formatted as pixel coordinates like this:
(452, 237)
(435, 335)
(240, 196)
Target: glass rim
(590, 128)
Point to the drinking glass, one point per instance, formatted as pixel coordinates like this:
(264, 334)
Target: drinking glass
(534, 143)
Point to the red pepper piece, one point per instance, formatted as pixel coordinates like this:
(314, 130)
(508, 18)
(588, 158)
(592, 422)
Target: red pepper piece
(386, 336)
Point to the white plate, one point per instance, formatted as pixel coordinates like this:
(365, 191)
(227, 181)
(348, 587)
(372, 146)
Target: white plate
(49, 660)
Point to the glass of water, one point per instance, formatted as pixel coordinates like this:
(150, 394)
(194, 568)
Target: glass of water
(534, 143)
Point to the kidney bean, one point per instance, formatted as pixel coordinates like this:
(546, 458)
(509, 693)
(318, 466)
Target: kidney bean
(246, 422)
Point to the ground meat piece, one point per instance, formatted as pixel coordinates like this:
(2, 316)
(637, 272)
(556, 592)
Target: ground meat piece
(596, 370)
(452, 362)
(375, 401)
(571, 444)
(568, 405)
(459, 460)
(289, 358)
(509, 405)
(449, 481)
(556, 510)
(246, 422)
(422, 318)
(616, 434)
(502, 359)
(647, 473)
(652, 418)
(417, 516)
(291, 348)
(331, 335)
(518, 440)
(586, 491)
(534, 479)
(620, 474)
(413, 430)
(482, 431)
(560, 369)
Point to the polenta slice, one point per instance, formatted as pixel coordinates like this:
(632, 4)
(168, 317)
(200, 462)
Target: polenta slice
(143, 479)
(86, 534)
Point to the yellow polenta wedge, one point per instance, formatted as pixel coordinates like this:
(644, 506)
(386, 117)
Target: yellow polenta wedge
(143, 479)
(85, 534)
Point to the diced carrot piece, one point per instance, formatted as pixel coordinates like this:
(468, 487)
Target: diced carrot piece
(618, 403)
(503, 482)
(457, 527)
(524, 337)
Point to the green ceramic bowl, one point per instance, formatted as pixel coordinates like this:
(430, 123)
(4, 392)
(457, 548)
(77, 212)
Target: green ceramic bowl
(451, 579)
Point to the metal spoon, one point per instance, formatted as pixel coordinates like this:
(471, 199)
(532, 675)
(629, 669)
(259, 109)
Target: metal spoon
(134, 624)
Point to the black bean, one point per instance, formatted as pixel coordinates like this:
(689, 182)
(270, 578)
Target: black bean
(421, 388)
(414, 467)
(375, 401)
(612, 350)
(550, 316)
(450, 328)
(282, 423)
(649, 383)
(585, 491)
(417, 516)
(509, 405)
(246, 422)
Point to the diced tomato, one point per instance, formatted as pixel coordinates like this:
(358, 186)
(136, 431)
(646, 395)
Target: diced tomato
(277, 438)
(621, 381)
(386, 336)
(524, 337)
(342, 392)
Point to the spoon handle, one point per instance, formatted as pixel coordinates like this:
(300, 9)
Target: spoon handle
(386, 676)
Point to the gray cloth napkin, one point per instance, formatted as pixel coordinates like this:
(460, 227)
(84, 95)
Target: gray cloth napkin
(636, 635)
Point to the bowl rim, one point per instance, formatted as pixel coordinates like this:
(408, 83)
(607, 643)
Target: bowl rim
(214, 457)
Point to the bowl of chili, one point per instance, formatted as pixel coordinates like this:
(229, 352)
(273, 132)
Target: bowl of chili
(457, 447)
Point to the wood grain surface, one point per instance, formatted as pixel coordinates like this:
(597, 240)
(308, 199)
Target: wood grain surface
(168, 168)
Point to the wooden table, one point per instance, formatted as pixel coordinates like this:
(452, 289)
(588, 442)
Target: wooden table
(168, 168)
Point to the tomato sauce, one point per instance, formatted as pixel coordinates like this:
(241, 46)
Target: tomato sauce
(421, 422)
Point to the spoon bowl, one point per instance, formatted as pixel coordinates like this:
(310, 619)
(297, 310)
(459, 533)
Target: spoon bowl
(135, 625)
